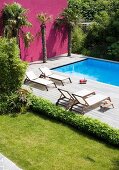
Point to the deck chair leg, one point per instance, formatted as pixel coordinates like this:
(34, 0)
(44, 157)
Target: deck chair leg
(61, 98)
(112, 106)
(55, 85)
(46, 88)
(110, 101)
(62, 83)
(70, 80)
(26, 80)
(69, 104)
(71, 107)
(82, 111)
(57, 102)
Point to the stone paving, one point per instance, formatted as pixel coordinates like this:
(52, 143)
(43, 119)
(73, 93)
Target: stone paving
(6, 164)
(110, 116)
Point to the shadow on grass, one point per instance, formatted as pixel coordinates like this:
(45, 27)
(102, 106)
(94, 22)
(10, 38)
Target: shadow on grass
(115, 164)
(78, 131)
(89, 159)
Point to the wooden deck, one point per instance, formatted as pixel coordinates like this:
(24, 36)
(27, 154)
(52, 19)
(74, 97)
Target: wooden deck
(110, 116)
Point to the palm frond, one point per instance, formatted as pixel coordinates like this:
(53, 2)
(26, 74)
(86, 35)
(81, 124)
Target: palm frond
(44, 18)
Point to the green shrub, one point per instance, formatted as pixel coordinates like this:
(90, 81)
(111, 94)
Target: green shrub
(17, 102)
(101, 37)
(78, 40)
(113, 51)
(12, 69)
(84, 124)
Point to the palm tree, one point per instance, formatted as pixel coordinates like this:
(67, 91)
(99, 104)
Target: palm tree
(14, 18)
(43, 19)
(69, 18)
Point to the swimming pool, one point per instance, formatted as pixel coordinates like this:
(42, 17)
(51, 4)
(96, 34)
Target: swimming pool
(99, 70)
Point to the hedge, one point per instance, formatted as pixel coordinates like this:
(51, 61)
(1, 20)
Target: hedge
(82, 123)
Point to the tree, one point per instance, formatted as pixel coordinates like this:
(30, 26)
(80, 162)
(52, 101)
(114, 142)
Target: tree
(14, 18)
(43, 18)
(70, 17)
(12, 69)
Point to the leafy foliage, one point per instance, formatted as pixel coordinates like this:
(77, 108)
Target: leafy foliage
(12, 69)
(78, 40)
(102, 35)
(70, 17)
(14, 17)
(28, 38)
(17, 102)
(44, 18)
(85, 124)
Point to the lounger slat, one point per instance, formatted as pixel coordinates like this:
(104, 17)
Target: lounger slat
(57, 77)
(84, 93)
(43, 81)
(33, 78)
(48, 73)
(95, 99)
(82, 99)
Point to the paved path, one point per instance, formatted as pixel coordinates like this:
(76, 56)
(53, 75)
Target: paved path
(6, 164)
(110, 116)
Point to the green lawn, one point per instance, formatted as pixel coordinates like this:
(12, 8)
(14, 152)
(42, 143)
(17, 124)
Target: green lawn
(37, 143)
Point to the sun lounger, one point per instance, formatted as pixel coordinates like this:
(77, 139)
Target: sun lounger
(48, 73)
(68, 97)
(65, 98)
(33, 78)
(84, 93)
(85, 103)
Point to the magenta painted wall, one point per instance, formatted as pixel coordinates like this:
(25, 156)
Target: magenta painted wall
(56, 41)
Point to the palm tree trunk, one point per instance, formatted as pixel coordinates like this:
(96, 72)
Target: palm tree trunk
(44, 49)
(69, 41)
(18, 41)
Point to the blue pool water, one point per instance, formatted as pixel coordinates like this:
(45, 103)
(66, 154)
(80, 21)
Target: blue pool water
(99, 70)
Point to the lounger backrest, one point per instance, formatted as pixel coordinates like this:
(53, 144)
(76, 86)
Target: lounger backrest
(31, 75)
(46, 71)
(65, 93)
(80, 99)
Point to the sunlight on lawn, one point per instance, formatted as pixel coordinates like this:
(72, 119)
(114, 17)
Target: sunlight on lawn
(35, 142)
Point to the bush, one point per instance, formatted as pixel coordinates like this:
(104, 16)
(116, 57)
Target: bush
(101, 37)
(84, 124)
(18, 102)
(12, 69)
(113, 51)
(78, 40)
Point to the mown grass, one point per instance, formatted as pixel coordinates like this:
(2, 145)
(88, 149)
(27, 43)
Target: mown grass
(37, 143)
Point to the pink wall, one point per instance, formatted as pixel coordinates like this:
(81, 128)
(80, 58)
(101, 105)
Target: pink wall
(56, 41)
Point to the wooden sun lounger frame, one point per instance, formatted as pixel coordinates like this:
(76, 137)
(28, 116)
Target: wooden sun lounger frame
(50, 76)
(72, 99)
(61, 80)
(27, 79)
(86, 105)
(64, 98)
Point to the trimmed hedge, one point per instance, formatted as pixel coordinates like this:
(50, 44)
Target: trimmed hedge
(83, 123)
